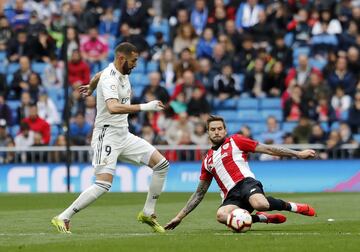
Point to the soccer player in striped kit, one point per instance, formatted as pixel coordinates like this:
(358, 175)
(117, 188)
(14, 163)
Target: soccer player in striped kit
(226, 161)
(111, 139)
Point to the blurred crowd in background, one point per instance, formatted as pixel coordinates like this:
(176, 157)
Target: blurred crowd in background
(281, 72)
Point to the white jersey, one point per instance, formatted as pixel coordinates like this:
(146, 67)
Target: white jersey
(112, 85)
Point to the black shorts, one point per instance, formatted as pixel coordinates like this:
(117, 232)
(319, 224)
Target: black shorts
(239, 195)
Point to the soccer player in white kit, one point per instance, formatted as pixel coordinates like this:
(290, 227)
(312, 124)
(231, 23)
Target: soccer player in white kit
(111, 139)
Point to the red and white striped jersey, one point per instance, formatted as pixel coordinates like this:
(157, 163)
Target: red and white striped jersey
(228, 164)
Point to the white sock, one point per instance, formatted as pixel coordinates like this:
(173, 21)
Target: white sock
(262, 218)
(293, 207)
(156, 185)
(86, 198)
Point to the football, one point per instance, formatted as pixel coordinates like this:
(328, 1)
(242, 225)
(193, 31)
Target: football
(239, 220)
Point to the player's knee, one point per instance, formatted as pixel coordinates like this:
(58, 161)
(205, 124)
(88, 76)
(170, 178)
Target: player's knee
(162, 167)
(221, 217)
(260, 205)
(103, 185)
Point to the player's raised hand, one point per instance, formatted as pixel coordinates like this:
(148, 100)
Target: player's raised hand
(152, 106)
(85, 90)
(305, 154)
(173, 223)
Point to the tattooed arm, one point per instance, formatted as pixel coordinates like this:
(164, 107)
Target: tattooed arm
(284, 152)
(192, 203)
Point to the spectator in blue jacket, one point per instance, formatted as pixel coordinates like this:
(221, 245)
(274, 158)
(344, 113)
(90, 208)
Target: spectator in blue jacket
(206, 44)
(80, 130)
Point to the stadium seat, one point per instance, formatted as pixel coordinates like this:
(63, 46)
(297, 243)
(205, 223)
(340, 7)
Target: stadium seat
(300, 51)
(228, 115)
(335, 126)
(356, 137)
(277, 113)
(289, 39)
(325, 126)
(150, 39)
(270, 103)
(256, 127)
(13, 104)
(3, 56)
(12, 68)
(140, 67)
(14, 130)
(318, 63)
(152, 66)
(225, 104)
(137, 79)
(160, 26)
(38, 67)
(137, 90)
(232, 127)
(248, 115)
(241, 78)
(247, 103)
(3, 67)
(289, 126)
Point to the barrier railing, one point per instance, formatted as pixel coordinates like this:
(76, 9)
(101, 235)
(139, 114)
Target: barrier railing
(56, 154)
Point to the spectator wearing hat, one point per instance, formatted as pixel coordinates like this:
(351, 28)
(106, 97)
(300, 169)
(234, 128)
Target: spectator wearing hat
(37, 124)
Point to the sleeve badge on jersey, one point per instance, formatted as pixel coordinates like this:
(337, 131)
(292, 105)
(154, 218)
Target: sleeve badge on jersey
(113, 87)
(225, 146)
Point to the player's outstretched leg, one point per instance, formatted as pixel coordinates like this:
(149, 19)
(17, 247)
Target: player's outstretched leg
(278, 204)
(264, 217)
(147, 216)
(62, 221)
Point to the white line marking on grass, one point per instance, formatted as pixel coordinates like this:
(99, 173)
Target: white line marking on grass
(282, 234)
(97, 234)
(22, 234)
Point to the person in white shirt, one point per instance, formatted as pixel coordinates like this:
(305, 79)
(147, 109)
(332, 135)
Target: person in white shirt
(111, 139)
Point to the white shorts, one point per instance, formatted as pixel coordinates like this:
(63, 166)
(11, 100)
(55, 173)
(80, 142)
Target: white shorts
(110, 143)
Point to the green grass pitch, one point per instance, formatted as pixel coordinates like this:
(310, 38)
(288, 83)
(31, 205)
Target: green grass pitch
(110, 225)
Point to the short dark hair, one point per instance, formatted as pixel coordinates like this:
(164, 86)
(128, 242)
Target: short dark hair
(126, 48)
(213, 118)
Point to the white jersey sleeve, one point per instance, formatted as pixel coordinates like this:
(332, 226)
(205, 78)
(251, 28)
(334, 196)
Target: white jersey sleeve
(110, 88)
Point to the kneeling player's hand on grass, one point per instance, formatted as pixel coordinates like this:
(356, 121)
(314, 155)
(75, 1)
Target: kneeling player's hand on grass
(173, 223)
(306, 154)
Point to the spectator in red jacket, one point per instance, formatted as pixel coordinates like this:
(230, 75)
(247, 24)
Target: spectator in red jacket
(38, 124)
(187, 86)
(79, 71)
